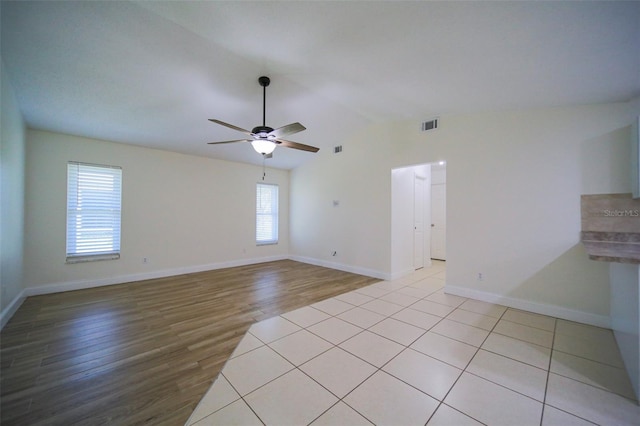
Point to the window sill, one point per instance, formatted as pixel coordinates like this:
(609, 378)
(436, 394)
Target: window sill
(92, 258)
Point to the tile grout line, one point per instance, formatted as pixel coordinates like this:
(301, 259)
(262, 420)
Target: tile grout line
(573, 379)
(337, 346)
(513, 359)
(333, 346)
(378, 369)
(546, 385)
(478, 349)
(407, 346)
(465, 369)
(426, 331)
(297, 367)
(522, 340)
(591, 360)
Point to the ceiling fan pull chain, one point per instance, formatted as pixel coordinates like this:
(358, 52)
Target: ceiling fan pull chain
(264, 170)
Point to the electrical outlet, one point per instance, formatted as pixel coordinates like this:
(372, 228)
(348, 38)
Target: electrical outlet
(145, 260)
(480, 276)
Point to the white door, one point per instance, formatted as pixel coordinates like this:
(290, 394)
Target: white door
(418, 222)
(438, 221)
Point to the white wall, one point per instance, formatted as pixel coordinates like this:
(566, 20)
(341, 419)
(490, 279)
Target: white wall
(183, 213)
(359, 228)
(514, 186)
(514, 181)
(12, 176)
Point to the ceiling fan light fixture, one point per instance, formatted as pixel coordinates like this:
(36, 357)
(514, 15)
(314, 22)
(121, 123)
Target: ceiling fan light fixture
(263, 146)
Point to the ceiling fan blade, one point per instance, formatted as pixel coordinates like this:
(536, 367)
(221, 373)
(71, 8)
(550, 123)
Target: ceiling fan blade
(289, 129)
(297, 145)
(231, 126)
(237, 140)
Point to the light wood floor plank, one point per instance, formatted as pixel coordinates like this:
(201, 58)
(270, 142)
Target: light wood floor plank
(144, 352)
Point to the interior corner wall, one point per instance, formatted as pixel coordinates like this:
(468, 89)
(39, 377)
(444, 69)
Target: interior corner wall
(182, 213)
(514, 181)
(341, 203)
(12, 169)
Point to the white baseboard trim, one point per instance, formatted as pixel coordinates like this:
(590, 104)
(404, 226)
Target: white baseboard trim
(83, 284)
(535, 307)
(342, 267)
(11, 309)
(398, 275)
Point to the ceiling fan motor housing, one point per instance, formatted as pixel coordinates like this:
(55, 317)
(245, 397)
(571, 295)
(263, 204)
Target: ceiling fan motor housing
(262, 131)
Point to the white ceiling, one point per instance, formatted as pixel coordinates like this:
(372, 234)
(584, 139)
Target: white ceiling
(151, 73)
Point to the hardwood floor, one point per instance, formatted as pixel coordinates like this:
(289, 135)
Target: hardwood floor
(145, 352)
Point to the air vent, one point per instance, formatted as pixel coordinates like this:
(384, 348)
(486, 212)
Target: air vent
(337, 149)
(429, 125)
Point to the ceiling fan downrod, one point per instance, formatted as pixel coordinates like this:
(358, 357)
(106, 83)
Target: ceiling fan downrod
(264, 82)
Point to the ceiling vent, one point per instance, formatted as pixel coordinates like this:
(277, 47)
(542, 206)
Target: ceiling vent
(430, 125)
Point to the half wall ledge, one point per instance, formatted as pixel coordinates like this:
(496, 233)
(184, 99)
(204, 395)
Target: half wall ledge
(611, 227)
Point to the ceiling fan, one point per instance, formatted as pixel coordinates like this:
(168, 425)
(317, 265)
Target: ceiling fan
(265, 139)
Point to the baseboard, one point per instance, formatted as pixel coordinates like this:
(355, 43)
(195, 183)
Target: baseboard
(342, 267)
(11, 309)
(398, 275)
(535, 307)
(83, 284)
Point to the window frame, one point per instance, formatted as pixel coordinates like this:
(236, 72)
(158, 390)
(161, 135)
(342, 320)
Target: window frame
(109, 214)
(274, 214)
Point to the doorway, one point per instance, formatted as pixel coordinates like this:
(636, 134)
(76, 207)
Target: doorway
(411, 217)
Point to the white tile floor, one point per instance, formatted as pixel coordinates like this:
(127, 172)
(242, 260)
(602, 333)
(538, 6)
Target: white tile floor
(405, 353)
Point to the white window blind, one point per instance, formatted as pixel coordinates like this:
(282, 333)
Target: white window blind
(266, 214)
(94, 195)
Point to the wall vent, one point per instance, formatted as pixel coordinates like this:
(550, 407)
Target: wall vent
(429, 125)
(337, 149)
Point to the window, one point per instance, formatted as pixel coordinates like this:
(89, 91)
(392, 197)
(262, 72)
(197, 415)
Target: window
(93, 212)
(266, 214)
